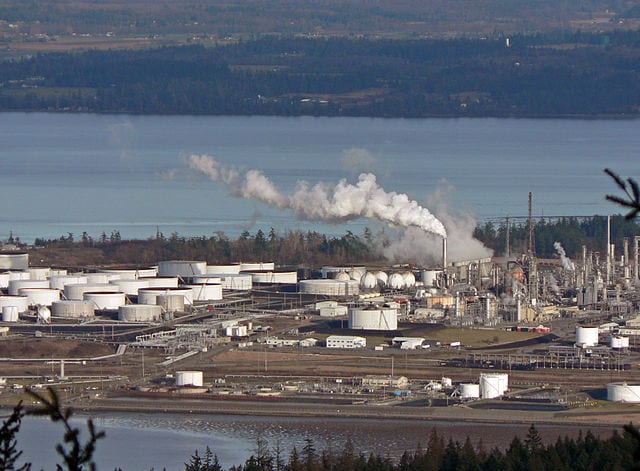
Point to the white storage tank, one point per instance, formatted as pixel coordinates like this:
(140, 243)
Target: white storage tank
(14, 260)
(118, 273)
(130, 287)
(15, 285)
(72, 309)
(170, 302)
(623, 392)
(232, 269)
(257, 266)
(59, 281)
(206, 292)
(76, 291)
(10, 314)
(586, 336)
(149, 295)
(329, 287)
(396, 281)
(42, 296)
(185, 269)
(342, 276)
(469, 391)
(493, 385)
(206, 279)
(373, 318)
(39, 273)
(368, 281)
(140, 313)
(44, 314)
(237, 282)
(57, 272)
(430, 277)
(619, 342)
(21, 302)
(356, 273)
(105, 300)
(97, 278)
(150, 272)
(274, 277)
(382, 279)
(4, 280)
(162, 282)
(19, 275)
(409, 279)
(189, 378)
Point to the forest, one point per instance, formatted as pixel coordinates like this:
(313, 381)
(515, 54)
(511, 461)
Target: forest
(313, 249)
(559, 74)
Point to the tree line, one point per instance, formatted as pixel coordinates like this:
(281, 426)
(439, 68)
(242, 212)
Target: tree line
(553, 74)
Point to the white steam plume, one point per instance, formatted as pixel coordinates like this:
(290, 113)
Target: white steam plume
(567, 264)
(322, 202)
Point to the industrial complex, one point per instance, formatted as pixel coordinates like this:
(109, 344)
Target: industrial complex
(515, 332)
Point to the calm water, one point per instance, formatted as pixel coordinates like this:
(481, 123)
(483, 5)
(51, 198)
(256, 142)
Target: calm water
(63, 173)
(145, 441)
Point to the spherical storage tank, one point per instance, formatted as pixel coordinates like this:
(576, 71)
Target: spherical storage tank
(182, 268)
(206, 292)
(623, 392)
(469, 391)
(15, 285)
(189, 378)
(140, 313)
(586, 336)
(619, 342)
(105, 300)
(493, 385)
(42, 296)
(382, 279)
(72, 309)
(76, 291)
(396, 281)
(368, 281)
(373, 319)
(21, 302)
(409, 279)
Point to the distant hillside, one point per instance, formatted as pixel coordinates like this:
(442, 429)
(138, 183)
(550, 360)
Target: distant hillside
(66, 24)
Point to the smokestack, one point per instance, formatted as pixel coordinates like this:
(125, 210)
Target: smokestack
(444, 254)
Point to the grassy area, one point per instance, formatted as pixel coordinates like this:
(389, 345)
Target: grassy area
(471, 337)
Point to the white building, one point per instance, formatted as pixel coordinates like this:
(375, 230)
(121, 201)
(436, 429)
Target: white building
(346, 341)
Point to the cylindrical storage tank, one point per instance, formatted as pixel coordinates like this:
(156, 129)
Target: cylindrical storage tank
(329, 287)
(258, 266)
(430, 277)
(409, 279)
(183, 268)
(170, 302)
(21, 302)
(19, 275)
(164, 282)
(39, 273)
(274, 277)
(72, 309)
(58, 281)
(130, 287)
(469, 391)
(237, 282)
(206, 279)
(118, 273)
(396, 281)
(105, 300)
(42, 296)
(149, 295)
(57, 272)
(76, 291)
(189, 378)
(382, 278)
(206, 292)
(4, 280)
(232, 269)
(10, 314)
(586, 336)
(619, 342)
(140, 313)
(14, 260)
(373, 319)
(368, 281)
(493, 385)
(15, 285)
(97, 278)
(623, 392)
(150, 272)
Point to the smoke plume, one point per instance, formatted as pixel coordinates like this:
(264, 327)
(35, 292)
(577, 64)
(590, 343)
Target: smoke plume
(323, 202)
(567, 264)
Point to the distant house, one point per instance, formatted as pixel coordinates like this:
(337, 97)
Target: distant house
(346, 341)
